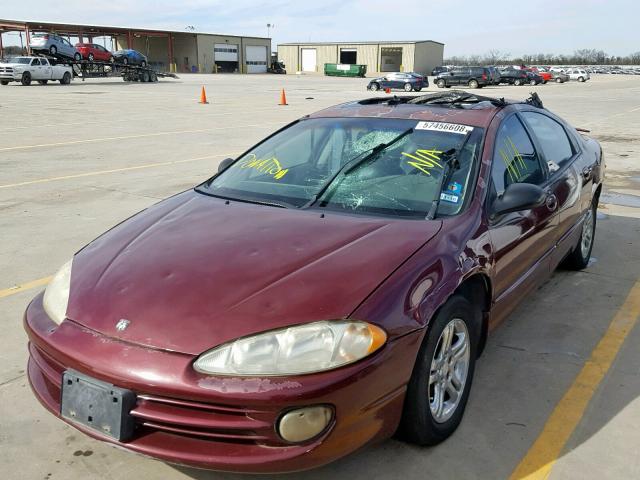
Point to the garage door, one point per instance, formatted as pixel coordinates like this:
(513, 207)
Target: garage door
(225, 52)
(309, 60)
(256, 59)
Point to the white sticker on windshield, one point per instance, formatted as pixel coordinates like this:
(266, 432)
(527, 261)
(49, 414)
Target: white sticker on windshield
(444, 127)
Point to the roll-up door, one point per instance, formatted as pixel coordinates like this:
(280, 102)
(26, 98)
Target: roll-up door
(256, 59)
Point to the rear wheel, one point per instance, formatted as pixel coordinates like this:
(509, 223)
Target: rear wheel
(26, 79)
(4, 82)
(144, 77)
(532, 82)
(558, 80)
(154, 77)
(581, 79)
(77, 57)
(439, 387)
(517, 82)
(579, 257)
(66, 79)
(473, 84)
(441, 83)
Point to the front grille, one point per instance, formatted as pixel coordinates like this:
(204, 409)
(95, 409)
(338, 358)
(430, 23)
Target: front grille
(181, 417)
(6, 70)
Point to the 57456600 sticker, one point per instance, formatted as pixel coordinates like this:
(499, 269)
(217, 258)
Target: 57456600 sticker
(444, 127)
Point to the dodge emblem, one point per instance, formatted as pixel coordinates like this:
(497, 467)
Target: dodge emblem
(122, 325)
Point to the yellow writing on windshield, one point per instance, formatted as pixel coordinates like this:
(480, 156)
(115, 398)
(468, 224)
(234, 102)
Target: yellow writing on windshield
(513, 160)
(424, 160)
(270, 166)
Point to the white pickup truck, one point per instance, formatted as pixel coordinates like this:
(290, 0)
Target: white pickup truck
(27, 69)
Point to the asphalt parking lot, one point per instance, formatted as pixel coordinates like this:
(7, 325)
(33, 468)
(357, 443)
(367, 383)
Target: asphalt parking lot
(556, 392)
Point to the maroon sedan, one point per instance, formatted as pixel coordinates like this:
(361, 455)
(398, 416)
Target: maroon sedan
(94, 52)
(331, 286)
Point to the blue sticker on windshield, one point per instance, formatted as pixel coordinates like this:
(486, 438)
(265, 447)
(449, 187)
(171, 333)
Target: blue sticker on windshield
(452, 194)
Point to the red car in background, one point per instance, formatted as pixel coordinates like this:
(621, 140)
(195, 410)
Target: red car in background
(94, 52)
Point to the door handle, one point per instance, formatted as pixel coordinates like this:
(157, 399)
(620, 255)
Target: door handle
(551, 202)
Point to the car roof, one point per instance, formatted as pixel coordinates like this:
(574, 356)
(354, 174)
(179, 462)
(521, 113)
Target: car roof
(454, 106)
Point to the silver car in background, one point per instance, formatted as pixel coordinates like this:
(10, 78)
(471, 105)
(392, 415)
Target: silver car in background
(54, 45)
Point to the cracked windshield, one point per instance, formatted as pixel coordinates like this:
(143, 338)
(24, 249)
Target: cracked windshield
(359, 165)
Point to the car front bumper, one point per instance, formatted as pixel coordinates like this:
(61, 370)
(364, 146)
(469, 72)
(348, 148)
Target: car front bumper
(222, 423)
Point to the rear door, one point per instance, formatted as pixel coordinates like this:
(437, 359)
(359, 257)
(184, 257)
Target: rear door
(522, 242)
(47, 70)
(562, 156)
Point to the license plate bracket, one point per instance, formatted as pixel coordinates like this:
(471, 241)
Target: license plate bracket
(98, 405)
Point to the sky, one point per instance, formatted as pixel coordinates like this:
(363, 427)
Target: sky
(514, 27)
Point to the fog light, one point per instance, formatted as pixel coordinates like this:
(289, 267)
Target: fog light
(304, 423)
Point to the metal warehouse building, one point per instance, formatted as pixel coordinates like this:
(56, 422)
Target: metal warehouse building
(412, 56)
(165, 49)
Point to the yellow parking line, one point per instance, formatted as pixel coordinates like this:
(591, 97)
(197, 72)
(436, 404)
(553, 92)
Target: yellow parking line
(543, 454)
(127, 137)
(25, 286)
(114, 170)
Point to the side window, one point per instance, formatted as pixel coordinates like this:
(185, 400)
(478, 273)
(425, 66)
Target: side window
(43, 61)
(514, 159)
(35, 62)
(552, 138)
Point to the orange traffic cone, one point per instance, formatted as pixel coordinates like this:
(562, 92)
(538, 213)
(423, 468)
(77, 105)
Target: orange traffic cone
(283, 98)
(387, 90)
(203, 96)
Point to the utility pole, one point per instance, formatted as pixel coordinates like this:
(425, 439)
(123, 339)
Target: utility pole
(269, 27)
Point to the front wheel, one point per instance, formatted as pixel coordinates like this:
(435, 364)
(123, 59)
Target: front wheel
(533, 83)
(581, 79)
(66, 79)
(558, 80)
(91, 57)
(77, 57)
(374, 87)
(581, 254)
(26, 79)
(407, 87)
(441, 83)
(439, 387)
(473, 84)
(4, 82)
(517, 82)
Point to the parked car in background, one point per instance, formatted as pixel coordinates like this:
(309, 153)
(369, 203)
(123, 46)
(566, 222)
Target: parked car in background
(368, 250)
(534, 78)
(473, 77)
(95, 52)
(559, 77)
(28, 69)
(514, 76)
(438, 70)
(54, 45)
(545, 74)
(578, 74)
(130, 57)
(407, 81)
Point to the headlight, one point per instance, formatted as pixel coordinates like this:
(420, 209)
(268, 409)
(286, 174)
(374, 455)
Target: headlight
(56, 296)
(309, 348)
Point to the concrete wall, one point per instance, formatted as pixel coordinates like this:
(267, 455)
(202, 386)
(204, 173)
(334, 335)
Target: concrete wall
(428, 56)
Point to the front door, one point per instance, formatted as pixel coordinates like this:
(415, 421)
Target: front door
(522, 242)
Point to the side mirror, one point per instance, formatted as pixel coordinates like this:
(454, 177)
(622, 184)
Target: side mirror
(518, 197)
(224, 164)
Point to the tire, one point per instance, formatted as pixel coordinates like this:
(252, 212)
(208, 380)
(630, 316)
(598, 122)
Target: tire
(112, 60)
(144, 77)
(374, 87)
(43, 82)
(418, 89)
(53, 50)
(154, 77)
(91, 57)
(26, 79)
(545, 82)
(66, 79)
(408, 87)
(125, 61)
(4, 82)
(579, 257)
(419, 423)
(77, 57)
(558, 80)
(533, 83)
(143, 64)
(517, 82)
(581, 79)
(441, 83)
(473, 83)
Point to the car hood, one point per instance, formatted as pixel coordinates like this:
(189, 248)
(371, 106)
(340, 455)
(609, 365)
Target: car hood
(194, 271)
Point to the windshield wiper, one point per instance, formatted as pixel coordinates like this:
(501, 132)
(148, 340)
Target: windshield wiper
(248, 200)
(451, 164)
(355, 163)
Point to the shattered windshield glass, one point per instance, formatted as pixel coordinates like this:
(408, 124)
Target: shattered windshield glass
(403, 179)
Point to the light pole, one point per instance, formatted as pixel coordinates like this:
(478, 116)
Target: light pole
(269, 27)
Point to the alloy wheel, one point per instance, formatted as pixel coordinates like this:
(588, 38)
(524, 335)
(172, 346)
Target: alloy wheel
(587, 235)
(449, 369)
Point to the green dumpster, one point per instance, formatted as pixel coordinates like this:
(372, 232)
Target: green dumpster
(344, 70)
